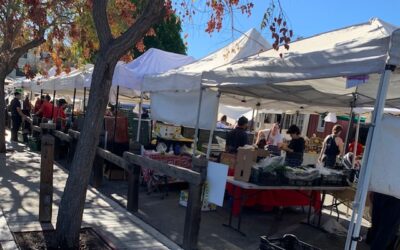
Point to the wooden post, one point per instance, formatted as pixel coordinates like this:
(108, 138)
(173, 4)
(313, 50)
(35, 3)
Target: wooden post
(193, 210)
(46, 173)
(133, 182)
(98, 165)
(57, 143)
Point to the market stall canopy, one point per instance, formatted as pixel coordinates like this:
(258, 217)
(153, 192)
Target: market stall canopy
(67, 82)
(364, 110)
(233, 112)
(153, 61)
(278, 105)
(128, 77)
(316, 70)
(188, 77)
(179, 89)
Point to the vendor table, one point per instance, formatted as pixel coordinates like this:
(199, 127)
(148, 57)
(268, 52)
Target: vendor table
(248, 194)
(153, 179)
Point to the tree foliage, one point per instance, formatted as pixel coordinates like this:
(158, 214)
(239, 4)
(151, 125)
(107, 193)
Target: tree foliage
(167, 37)
(24, 25)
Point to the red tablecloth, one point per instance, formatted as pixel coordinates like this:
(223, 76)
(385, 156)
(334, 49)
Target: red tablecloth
(267, 199)
(178, 160)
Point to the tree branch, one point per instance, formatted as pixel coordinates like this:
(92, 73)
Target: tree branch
(30, 45)
(20, 51)
(152, 14)
(100, 19)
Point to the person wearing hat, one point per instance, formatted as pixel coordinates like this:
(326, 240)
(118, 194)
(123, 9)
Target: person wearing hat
(16, 116)
(237, 137)
(295, 149)
(59, 116)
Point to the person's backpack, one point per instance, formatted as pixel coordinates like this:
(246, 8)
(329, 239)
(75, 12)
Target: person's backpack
(331, 147)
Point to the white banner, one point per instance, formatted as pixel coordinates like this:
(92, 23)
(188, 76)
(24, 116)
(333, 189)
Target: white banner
(385, 177)
(180, 108)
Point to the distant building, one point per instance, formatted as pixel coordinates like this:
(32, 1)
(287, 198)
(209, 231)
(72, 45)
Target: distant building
(29, 58)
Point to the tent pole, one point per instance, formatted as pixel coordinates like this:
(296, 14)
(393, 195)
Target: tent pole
(283, 120)
(353, 234)
(54, 103)
(210, 139)
(257, 118)
(73, 105)
(116, 116)
(252, 119)
(196, 132)
(351, 122)
(356, 141)
(140, 117)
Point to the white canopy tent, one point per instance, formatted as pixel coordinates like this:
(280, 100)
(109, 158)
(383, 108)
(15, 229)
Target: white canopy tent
(153, 61)
(315, 72)
(66, 84)
(183, 84)
(128, 77)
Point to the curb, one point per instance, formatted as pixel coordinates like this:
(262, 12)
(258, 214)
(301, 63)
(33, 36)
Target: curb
(7, 241)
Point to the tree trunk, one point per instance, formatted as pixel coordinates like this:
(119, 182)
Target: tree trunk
(70, 213)
(2, 113)
(72, 204)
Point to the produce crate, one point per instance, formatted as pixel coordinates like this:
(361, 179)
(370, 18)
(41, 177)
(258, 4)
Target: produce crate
(287, 242)
(297, 182)
(334, 180)
(310, 179)
(263, 178)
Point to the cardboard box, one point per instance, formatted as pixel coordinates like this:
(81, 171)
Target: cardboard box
(246, 158)
(228, 159)
(262, 153)
(167, 131)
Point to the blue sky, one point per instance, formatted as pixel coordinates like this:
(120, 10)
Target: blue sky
(307, 17)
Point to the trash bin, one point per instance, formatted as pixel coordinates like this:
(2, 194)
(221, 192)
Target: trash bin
(287, 242)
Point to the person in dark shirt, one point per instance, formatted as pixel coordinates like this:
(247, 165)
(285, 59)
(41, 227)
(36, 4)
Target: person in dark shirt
(145, 114)
(295, 149)
(237, 137)
(16, 116)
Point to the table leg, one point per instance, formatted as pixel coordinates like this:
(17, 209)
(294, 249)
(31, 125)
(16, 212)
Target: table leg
(232, 198)
(242, 198)
(310, 207)
(229, 225)
(320, 210)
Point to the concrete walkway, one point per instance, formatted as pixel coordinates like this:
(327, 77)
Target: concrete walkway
(19, 203)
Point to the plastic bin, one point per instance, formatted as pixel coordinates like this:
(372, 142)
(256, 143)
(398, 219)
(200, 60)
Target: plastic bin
(287, 242)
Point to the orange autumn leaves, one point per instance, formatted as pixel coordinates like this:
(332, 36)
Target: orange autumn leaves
(82, 39)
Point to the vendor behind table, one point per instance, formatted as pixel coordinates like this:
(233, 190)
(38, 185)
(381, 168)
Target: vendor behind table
(271, 140)
(295, 148)
(332, 147)
(237, 137)
(223, 124)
